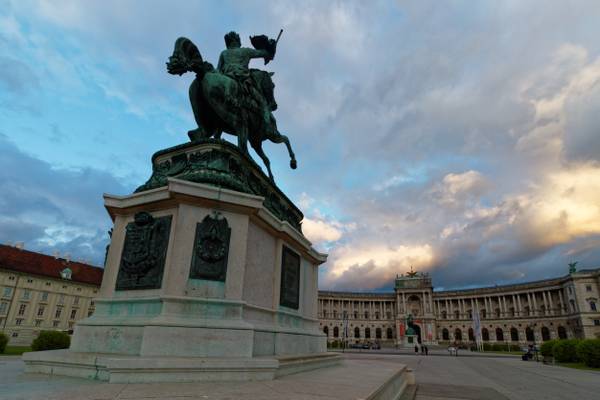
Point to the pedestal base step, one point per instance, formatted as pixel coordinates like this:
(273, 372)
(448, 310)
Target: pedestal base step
(136, 369)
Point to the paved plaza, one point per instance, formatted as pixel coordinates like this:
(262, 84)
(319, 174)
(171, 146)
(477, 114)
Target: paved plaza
(438, 376)
(491, 377)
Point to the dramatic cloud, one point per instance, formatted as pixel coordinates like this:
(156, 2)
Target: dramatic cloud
(53, 210)
(461, 139)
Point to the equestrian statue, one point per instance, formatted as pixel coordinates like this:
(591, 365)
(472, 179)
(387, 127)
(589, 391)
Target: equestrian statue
(232, 98)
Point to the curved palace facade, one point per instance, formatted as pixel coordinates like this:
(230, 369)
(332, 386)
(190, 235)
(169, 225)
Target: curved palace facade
(565, 307)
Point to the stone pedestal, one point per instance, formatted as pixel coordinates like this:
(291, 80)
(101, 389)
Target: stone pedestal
(201, 282)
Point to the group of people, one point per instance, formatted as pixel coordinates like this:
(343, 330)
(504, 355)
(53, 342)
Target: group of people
(424, 349)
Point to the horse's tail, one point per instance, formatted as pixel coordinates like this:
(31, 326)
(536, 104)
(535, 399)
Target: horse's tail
(187, 58)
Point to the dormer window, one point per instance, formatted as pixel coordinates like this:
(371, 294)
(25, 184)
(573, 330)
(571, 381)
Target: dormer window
(66, 273)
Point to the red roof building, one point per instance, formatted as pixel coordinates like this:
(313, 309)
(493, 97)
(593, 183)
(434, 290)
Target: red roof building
(29, 262)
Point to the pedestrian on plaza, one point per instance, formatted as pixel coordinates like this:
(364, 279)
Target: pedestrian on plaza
(422, 350)
(416, 349)
(426, 350)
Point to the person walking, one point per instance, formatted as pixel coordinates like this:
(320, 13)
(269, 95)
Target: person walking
(416, 349)
(426, 350)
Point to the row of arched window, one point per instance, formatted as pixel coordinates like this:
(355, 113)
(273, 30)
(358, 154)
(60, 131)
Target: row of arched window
(514, 334)
(378, 332)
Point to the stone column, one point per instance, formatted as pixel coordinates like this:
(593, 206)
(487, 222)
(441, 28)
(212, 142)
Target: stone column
(519, 305)
(561, 301)
(404, 303)
(551, 303)
(535, 307)
(529, 303)
(431, 301)
(546, 302)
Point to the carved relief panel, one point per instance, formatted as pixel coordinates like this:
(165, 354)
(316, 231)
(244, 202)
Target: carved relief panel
(144, 252)
(211, 248)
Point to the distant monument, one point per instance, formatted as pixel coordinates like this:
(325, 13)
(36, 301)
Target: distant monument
(208, 275)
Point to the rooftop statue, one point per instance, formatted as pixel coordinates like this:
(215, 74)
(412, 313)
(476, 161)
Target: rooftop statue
(233, 98)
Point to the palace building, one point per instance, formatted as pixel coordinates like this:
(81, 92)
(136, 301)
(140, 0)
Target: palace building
(40, 292)
(533, 312)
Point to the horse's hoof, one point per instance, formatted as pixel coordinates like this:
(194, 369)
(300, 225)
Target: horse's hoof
(293, 164)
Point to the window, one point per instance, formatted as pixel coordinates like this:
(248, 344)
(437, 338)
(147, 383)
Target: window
(334, 314)
(58, 312)
(76, 300)
(26, 294)
(44, 296)
(15, 334)
(597, 322)
(90, 312)
(471, 335)
(389, 315)
(3, 307)
(61, 299)
(11, 278)
(376, 314)
(7, 292)
(18, 321)
(588, 288)
(445, 334)
(29, 280)
(22, 309)
(366, 315)
(470, 313)
(458, 335)
(367, 333)
(456, 315)
(48, 283)
(499, 335)
(378, 333)
(357, 333)
(562, 332)
(514, 335)
(55, 323)
(336, 331)
(389, 333)
(79, 289)
(40, 312)
(485, 335)
(73, 314)
(529, 334)
(444, 314)
(545, 333)
(593, 305)
(326, 331)
(38, 322)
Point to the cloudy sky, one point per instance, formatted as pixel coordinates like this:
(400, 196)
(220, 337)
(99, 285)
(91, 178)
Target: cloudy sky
(460, 137)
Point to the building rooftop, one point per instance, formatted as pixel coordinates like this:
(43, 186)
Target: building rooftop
(29, 262)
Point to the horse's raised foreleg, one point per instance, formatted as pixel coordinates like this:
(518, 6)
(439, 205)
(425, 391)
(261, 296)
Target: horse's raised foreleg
(279, 138)
(259, 150)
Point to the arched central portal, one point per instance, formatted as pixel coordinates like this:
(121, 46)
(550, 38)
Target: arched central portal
(417, 330)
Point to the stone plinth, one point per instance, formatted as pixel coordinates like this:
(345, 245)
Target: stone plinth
(203, 274)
